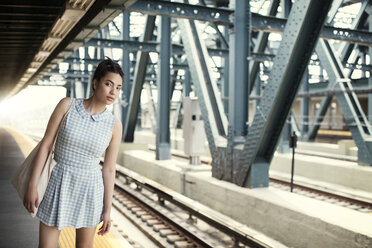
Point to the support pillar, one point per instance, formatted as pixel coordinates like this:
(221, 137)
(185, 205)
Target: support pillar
(163, 132)
(126, 69)
(305, 104)
(238, 78)
(370, 76)
(187, 83)
(226, 72)
(138, 80)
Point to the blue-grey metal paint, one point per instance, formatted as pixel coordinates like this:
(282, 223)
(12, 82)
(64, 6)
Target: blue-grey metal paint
(238, 71)
(304, 113)
(187, 83)
(226, 72)
(163, 109)
(126, 69)
(260, 46)
(139, 77)
(299, 38)
(370, 76)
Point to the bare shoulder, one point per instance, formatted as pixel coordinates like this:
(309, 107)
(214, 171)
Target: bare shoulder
(117, 126)
(63, 104)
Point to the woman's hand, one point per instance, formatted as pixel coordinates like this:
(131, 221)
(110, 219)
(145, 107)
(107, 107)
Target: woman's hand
(105, 228)
(31, 199)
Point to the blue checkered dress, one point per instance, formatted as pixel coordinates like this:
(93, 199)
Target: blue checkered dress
(74, 195)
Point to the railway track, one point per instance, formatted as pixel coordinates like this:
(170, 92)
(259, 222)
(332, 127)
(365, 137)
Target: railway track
(170, 219)
(336, 198)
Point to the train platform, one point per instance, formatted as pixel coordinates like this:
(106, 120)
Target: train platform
(297, 220)
(289, 219)
(18, 229)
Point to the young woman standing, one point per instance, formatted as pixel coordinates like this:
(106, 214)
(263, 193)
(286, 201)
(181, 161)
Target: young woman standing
(79, 194)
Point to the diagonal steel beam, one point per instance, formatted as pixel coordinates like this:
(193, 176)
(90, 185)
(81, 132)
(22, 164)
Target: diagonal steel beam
(355, 118)
(260, 46)
(180, 10)
(139, 78)
(336, 66)
(215, 121)
(299, 38)
(359, 21)
(222, 16)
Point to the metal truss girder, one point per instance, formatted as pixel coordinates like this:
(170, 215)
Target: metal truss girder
(347, 48)
(334, 68)
(355, 118)
(147, 46)
(270, 57)
(318, 118)
(260, 46)
(126, 65)
(180, 10)
(139, 78)
(298, 40)
(163, 109)
(239, 75)
(124, 44)
(215, 121)
(151, 106)
(221, 16)
(75, 60)
(276, 25)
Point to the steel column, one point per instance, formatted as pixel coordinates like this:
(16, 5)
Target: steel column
(139, 78)
(298, 40)
(304, 113)
(226, 72)
(187, 84)
(126, 69)
(163, 109)
(370, 74)
(238, 76)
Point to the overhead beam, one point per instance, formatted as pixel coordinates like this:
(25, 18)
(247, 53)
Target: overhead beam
(260, 46)
(163, 109)
(139, 79)
(215, 121)
(221, 16)
(180, 10)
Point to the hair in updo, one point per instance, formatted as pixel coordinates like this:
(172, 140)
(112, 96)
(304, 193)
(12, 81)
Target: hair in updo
(106, 66)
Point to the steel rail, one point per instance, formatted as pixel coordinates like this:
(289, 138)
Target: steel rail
(176, 199)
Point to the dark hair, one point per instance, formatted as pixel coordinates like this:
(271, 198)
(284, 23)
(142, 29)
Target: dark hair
(106, 66)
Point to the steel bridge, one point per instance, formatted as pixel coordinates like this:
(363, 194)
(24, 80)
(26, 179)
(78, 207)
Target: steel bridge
(223, 51)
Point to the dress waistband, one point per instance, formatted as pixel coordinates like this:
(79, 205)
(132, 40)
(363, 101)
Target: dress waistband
(79, 163)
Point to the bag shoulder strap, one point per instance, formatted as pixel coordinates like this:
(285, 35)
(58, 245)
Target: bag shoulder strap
(72, 102)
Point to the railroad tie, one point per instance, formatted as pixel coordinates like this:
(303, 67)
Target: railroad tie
(158, 227)
(166, 232)
(183, 244)
(174, 237)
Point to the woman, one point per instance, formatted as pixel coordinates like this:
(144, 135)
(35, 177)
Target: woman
(79, 194)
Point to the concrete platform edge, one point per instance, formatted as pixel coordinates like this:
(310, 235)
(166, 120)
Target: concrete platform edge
(285, 217)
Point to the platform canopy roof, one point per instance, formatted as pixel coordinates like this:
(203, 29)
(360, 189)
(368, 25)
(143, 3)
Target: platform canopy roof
(37, 35)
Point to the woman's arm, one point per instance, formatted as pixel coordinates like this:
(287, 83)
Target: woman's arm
(31, 197)
(108, 173)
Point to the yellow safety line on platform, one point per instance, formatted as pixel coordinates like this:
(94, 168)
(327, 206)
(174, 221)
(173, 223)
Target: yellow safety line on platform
(25, 143)
(68, 236)
(334, 132)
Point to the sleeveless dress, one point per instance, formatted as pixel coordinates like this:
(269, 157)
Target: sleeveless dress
(74, 195)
